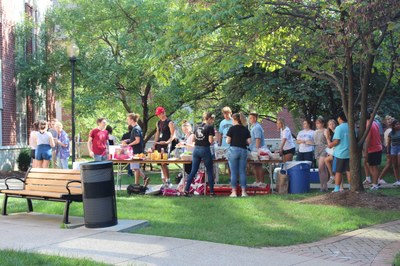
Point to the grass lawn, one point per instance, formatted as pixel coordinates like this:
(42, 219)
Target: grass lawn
(270, 220)
(21, 258)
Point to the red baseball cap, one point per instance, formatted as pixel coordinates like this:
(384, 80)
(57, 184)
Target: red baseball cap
(160, 110)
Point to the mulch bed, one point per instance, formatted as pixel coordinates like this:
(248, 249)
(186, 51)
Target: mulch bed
(356, 199)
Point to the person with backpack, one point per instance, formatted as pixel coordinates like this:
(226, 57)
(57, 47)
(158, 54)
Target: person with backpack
(204, 138)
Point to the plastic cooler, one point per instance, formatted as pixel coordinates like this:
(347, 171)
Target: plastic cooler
(314, 175)
(299, 176)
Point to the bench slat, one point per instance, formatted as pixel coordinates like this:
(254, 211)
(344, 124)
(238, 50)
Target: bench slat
(59, 189)
(34, 193)
(54, 176)
(50, 170)
(48, 182)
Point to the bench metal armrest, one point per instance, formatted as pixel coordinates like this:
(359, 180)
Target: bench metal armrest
(12, 177)
(70, 182)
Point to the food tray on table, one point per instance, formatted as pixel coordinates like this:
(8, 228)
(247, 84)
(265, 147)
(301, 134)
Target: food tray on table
(186, 157)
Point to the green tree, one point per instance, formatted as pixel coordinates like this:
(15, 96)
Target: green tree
(33, 67)
(328, 40)
(117, 63)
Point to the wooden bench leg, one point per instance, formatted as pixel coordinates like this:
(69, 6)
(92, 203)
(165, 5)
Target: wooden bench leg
(30, 207)
(4, 212)
(66, 212)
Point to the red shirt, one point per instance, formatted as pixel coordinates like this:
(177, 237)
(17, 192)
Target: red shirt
(99, 141)
(375, 143)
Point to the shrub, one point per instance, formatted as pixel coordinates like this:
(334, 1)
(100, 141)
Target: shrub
(24, 159)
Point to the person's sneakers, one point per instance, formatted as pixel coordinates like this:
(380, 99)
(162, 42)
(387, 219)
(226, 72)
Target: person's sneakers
(331, 180)
(382, 182)
(186, 194)
(244, 194)
(397, 183)
(212, 195)
(367, 182)
(374, 187)
(233, 195)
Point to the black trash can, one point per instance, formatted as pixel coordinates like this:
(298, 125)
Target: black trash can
(99, 203)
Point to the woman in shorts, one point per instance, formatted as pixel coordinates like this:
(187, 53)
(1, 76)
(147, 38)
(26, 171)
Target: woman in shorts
(44, 141)
(320, 152)
(287, 148)
(329, 158)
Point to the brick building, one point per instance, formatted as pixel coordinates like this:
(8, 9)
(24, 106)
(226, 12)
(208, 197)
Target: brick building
(16, 111)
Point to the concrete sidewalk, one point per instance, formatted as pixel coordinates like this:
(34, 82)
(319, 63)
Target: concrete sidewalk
(43, 233)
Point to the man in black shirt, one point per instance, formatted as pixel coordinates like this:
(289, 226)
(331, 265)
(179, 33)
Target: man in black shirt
(164, 138)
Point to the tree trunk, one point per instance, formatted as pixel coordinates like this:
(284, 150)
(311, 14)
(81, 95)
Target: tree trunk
(355, 163)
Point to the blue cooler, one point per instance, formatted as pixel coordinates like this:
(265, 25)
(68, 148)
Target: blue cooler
(314, 175)
(299, 176)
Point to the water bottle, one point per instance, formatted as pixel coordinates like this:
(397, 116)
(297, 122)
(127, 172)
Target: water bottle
(162, 154)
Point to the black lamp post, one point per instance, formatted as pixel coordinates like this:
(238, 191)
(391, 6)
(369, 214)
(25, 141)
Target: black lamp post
(73, 52)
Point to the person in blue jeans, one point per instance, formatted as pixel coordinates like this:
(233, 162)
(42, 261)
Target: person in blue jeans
(239, 138)
(203, 139)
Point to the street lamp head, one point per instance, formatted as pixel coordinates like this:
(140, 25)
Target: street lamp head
(72, 50)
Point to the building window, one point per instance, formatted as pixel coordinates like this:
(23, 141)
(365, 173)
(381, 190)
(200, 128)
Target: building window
(21, 120)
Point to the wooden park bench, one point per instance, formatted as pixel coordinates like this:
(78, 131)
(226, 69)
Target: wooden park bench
(61, 185)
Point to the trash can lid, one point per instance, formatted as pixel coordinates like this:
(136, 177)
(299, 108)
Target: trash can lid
(96, 165)
(291, 164)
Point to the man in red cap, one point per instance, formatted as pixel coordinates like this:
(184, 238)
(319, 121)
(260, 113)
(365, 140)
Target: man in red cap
(164, 138)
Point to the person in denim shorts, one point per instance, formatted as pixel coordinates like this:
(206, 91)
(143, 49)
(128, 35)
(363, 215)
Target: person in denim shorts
(45, 142)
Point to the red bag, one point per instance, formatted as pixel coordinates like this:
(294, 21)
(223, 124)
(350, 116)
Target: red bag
(200, 176)
(170, 192)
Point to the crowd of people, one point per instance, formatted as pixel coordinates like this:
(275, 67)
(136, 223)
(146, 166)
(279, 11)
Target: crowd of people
(49, 143)
(327, 146)
(330, 148)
